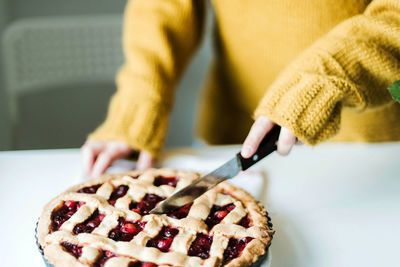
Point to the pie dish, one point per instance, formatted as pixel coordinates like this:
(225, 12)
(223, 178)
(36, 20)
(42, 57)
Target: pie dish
(106, 222)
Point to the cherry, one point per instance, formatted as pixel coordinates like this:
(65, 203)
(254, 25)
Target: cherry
(63, 213)
(164, 238)
(58, 220)
(235, 248)
(160, 180)
(135, 210)
(89, 224)
(144, 205)
(164, 244)
(221, 214)
(118, 192)
(90, 189)
(142, 264)
(126, 230)
(115, 234)
(129, 228)
(181, 212)
(92, 224)
(104, 257)
(70, 204)
(77, 252)
(170, 232)
(152, 198)
(203, 241)
(229, 207)
(70, 213)
(109, 254)
(73, 249)
(200, 247)
(81, 228)
(217, 214)
(148, 202)
(142, 224)
(100, 217)
(121, 190)
(245, 222)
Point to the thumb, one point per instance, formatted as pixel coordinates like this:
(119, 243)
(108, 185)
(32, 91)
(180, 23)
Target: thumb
(145, 160)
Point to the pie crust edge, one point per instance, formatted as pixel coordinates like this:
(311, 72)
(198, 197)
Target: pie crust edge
(249, 255)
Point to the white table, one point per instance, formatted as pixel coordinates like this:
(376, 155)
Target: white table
(333, 205)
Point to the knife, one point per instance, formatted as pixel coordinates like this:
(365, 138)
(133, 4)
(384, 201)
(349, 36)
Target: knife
(227, 171)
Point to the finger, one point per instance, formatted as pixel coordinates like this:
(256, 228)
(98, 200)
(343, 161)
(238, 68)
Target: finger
(145, 160)
(257, 132)
(88, 161)
(286, 141)
(122, 148)
(103, 161)
(89, 154)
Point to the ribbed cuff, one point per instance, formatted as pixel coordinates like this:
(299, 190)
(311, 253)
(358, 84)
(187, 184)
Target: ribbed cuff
(308, 105)
(350, 66)
(136, 119)
(308, 95)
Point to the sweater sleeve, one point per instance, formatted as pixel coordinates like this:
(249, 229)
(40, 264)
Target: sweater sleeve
(351, 66)
(159, 38)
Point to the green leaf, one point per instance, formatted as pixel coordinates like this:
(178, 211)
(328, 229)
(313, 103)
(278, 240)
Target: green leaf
(394, 90)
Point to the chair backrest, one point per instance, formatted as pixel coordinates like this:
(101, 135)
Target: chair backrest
(43, 52)
(52, 52)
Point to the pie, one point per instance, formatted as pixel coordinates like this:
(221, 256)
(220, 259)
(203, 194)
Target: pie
(106, 222)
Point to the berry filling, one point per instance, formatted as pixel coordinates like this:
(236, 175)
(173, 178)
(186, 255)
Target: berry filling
(181, 212)
(245, 222)
(142, 264)
(72, 248)
(62, 214)
(118, 192)
(217, 214)
(200, 247)
(235, 248)
(126, 230)
(89, 224)
(161, 180)
(105, 256)
(164, 239)
(146, 204)
(90, 189)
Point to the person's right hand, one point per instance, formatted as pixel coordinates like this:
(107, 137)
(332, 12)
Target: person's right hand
(260, 128)
(99, 155)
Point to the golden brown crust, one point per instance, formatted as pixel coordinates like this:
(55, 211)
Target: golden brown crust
(264, 234)
(223, 194)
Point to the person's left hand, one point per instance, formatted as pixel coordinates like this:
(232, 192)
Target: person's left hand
(97, 156)
(257, 132)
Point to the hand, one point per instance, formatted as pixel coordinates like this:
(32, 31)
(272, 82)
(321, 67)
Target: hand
(99, 155)
(257, 132)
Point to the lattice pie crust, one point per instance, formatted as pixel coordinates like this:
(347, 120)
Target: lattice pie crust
(104, 222)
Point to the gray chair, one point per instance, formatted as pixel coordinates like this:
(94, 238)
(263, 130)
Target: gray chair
(59, 77)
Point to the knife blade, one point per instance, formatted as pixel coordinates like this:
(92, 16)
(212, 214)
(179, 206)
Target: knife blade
(227, 171)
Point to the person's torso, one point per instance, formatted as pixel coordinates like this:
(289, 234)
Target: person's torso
(256, 39)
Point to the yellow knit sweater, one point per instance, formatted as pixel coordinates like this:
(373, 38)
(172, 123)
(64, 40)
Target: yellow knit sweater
(318, 67)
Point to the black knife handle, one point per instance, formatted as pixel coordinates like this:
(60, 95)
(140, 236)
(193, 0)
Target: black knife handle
(266, 147)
